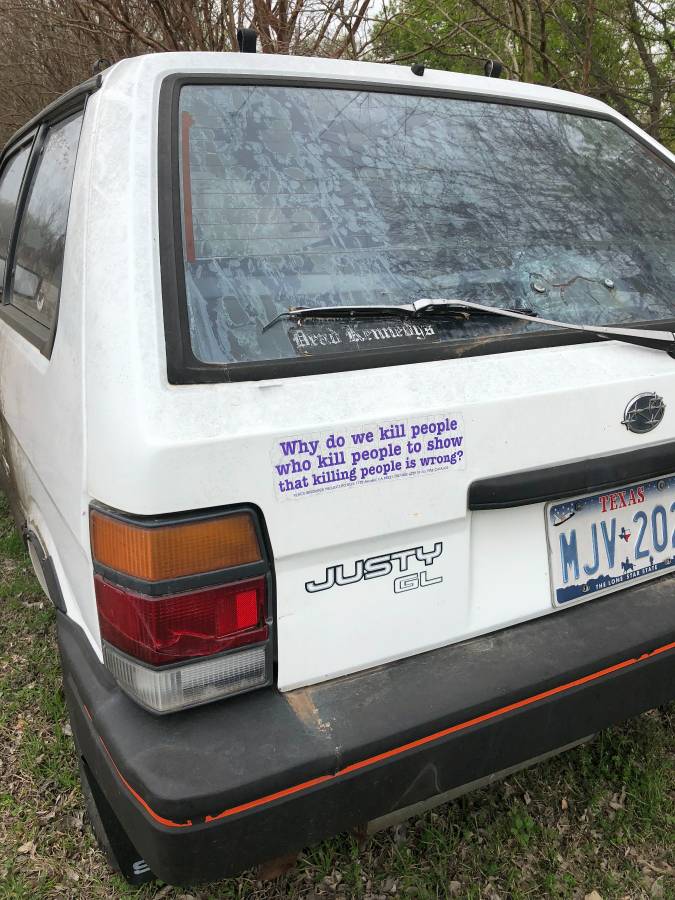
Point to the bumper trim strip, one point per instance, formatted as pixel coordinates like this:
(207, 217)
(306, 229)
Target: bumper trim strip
(168, 822)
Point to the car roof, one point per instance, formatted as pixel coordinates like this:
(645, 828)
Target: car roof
(350, 72)
(145, 73)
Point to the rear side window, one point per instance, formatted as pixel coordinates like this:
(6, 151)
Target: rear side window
(10, 182)
(38, 260)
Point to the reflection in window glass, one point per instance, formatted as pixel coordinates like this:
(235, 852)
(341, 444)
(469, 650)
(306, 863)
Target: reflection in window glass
(38, 263)
(309, 197)
(10, 182)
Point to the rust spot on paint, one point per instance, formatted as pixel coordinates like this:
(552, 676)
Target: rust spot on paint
(303, 706)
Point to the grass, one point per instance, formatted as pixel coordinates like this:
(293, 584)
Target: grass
(599, 818)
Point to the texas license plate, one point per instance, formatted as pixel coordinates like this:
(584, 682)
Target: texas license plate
(604, 542)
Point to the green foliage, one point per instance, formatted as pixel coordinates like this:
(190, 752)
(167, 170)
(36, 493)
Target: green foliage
(619, 51)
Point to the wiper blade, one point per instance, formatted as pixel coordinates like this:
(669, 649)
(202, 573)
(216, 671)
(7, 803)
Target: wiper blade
(465, 309)
(460, 309)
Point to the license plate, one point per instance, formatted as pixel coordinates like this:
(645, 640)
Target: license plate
(607, 541)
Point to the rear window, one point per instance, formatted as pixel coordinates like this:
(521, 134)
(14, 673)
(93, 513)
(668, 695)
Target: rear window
(301, 197)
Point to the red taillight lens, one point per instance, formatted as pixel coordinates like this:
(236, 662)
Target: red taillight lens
(168, 629)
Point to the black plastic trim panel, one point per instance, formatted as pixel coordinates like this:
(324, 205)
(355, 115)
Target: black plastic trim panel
(71, 101)
(184, 583)
(572, 479)
(47, 567)
(183, 367)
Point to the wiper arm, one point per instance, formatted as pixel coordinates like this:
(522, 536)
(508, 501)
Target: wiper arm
(464, 309)
(460, 309)
(658, 340)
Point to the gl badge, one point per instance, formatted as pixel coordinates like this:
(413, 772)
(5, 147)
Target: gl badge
(643, 413)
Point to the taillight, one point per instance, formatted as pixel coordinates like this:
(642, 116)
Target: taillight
(183, 606)
(161, 630)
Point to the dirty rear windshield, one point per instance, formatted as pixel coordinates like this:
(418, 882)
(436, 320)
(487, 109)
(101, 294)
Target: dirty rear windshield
(301, 197)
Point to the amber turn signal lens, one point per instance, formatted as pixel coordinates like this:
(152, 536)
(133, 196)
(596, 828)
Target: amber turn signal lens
(161, 553)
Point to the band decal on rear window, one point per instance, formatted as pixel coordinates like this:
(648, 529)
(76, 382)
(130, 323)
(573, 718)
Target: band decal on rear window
(311, 339)
(304, 464)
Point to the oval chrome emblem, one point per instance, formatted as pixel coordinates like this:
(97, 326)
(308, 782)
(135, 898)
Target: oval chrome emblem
(643, 413)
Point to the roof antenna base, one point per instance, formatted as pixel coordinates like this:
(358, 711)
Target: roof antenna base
(493, 68)
(247, 39)
(100, 65)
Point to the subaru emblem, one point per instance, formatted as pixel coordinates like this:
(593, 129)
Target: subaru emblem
(643, 413)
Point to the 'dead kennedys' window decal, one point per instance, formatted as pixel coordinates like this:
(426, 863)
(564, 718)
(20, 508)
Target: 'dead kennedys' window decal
(310, 339)
(305, 464)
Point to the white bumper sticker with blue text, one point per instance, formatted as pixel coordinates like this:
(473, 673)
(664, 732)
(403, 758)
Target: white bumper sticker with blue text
(304, 464)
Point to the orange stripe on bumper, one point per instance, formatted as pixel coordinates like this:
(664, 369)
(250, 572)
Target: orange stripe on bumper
(396, 751)
(134, 793)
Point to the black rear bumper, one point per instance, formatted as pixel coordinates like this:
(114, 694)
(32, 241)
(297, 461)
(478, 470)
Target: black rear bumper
(210, 791)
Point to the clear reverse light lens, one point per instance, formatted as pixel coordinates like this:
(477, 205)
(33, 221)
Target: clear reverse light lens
(167, 690)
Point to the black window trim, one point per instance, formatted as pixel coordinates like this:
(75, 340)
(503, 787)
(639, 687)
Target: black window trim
(5, 161)
(72, 100)
(183, 367)
(27, 327)
(35, 132)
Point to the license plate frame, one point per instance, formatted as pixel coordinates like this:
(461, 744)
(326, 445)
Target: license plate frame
(608, 558)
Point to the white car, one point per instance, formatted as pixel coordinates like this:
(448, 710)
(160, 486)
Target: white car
(338, 413)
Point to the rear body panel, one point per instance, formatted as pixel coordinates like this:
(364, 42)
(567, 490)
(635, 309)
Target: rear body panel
(155, 447)
(518, 412)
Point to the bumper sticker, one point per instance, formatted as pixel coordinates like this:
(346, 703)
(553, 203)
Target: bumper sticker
(304, 464)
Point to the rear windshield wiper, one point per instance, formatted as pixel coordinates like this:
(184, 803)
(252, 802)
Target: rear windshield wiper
(458, 309)
(464, 309)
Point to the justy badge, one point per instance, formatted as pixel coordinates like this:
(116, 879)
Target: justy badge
(341, 574)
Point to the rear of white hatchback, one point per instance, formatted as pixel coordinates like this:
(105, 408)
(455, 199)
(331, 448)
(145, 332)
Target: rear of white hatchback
(320, 548)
